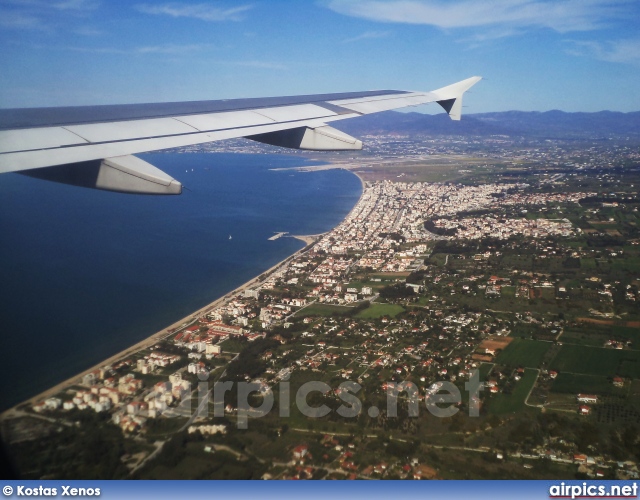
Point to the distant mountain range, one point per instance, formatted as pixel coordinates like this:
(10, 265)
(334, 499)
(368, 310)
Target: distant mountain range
(549, 124)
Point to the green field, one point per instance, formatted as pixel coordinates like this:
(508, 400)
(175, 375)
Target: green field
(379, 310)
(323, 310)
(597, 361)
(485, 370)
(627, 332)
(573, 383)
(630, 366)
(628, 264)
(522, 352)
(575, 336)
(594, 335)
(509, 403)
(233, 345)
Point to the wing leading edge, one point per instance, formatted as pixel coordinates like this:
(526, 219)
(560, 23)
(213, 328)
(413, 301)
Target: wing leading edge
(93, 146)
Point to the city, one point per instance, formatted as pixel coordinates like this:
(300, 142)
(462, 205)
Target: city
(529, 280)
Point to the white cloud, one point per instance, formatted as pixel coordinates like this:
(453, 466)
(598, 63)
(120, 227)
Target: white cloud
(19, 20)
(616, 51)
(41, 14)
(95, 50)
(494, 34)
(559, 15)
(170, 49)
(77, 5)
(173, 49)
(202, 11)
(367, 35)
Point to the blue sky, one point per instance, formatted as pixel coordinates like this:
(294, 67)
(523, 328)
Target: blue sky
(574, 55)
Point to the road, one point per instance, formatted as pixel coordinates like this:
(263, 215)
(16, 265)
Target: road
(158, 445)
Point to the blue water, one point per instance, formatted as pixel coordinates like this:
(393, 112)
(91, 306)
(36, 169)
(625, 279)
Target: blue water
(86, 273)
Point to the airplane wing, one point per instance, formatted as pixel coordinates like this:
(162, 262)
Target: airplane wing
(93, 146)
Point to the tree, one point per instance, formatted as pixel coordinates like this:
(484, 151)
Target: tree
(397, 291)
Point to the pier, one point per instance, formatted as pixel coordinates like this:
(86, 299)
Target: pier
(277, 235)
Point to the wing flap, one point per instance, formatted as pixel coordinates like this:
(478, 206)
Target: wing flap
(225, 120)
(292, 113)
(122, 131)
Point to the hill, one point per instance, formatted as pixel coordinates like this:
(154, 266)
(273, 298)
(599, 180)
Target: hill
(549, 124)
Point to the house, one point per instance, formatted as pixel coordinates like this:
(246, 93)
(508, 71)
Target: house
(53, 403)
(197, 368)
(181, 390)
(351, 297)
(88, 379)
(618, 381)
(175, 378)
(220, 327)
(135, 407)
(380, 468)
(587, 398)
(214, 349)
(111, 393)
(162, 387)
(584, 410)
(299, 452)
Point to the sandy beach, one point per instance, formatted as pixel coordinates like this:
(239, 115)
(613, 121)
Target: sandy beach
(169, 330)
(308, 239)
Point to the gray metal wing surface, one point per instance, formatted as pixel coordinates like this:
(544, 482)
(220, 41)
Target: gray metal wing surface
(93, 146)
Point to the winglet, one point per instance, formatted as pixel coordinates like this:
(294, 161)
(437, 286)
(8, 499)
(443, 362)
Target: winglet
(450, 97)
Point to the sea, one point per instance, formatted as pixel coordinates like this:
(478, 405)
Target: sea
(85, 273)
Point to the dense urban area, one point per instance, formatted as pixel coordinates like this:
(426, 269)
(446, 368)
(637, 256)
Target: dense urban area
(509, 259)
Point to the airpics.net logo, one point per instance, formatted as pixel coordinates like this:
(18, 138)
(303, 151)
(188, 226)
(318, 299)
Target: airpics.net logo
(586, 490)
(441, 399)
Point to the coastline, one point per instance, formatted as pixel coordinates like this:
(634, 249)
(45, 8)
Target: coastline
(309, 240)
(154, 338)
